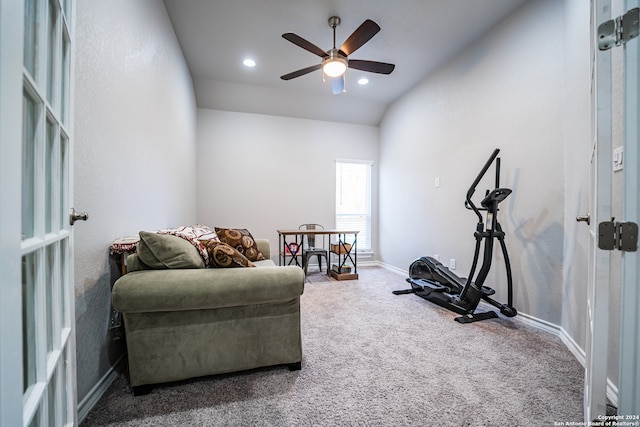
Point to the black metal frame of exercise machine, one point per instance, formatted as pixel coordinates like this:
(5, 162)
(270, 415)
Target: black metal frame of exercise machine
(433, 281)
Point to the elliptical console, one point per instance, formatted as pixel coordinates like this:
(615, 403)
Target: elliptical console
(433, 281)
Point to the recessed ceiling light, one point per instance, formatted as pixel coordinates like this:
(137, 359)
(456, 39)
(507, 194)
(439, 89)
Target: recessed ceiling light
(363, 81)
(249, 63)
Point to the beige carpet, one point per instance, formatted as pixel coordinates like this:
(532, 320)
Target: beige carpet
(372, 358)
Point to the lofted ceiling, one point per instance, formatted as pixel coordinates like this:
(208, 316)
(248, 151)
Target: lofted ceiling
(416, 35)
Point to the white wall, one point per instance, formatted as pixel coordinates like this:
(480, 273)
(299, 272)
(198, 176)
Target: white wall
(506, 91)
(266, 173)
(134, 153)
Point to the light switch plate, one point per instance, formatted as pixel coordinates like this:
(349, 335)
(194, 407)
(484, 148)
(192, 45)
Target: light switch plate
(618, 159)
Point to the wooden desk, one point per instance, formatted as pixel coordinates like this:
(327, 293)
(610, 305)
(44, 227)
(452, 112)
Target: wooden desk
(343, 253)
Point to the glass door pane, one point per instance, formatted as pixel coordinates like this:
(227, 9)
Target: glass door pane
(52, 39)
(30, 36)
(63, 194)
(29, 271)
(30, 126)
(49, 176)
(64, 78)
(50, 298)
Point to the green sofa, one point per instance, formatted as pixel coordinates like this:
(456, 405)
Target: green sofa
(193, 321)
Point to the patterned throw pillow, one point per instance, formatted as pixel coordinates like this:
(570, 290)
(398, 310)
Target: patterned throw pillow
(222, 255)
(242, 241)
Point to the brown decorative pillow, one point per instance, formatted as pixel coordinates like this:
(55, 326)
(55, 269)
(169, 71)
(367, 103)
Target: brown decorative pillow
(242, 241)
(222, 255)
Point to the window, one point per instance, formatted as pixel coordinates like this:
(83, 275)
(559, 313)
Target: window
(353, 199)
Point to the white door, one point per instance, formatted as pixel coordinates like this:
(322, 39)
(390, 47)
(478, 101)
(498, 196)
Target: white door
(601, 172)
(629, 382)
(596, 348)
(38, 381)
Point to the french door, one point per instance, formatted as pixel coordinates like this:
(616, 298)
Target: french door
(35, 78)
(596, 349)
(629, 378)
(601, 170)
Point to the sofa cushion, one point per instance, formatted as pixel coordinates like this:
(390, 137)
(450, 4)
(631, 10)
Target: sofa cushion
(162, 251)
(222, 255)
(242, 240)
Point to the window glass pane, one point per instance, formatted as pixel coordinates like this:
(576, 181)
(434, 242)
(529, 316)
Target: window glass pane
(30, 36)
(64, 182)
(29, 270)
(353, 200)
(64, 77)
(52, 14)
(50, 303)
(29, 125)
(49, 176)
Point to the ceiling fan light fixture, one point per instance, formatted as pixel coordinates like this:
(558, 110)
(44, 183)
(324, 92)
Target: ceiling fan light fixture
(335, 64)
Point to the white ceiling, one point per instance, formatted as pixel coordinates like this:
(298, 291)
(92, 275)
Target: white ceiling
(416, 35)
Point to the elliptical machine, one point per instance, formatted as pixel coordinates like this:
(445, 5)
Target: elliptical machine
(433, 281)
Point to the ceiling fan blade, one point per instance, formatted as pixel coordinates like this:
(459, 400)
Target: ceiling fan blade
(360, 36)
(301, 72)
(305, 44)
(337, 85)
(371, 66)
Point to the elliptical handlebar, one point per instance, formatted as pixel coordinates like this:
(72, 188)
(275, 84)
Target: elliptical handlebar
(468, 202)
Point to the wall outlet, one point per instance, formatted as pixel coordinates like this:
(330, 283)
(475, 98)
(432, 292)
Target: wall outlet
(436, 182)
(452, 264)
(436, 256)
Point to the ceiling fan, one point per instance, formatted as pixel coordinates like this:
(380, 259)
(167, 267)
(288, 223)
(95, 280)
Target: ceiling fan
(335, 61)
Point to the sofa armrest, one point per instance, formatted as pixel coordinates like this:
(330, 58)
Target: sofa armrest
(263, 246)
(195, 289)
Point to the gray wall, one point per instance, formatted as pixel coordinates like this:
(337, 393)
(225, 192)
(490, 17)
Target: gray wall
(505, 91)
(134, 152)
(266, 172)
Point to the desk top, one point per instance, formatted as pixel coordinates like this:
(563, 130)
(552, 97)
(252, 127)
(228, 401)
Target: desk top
(315, 232)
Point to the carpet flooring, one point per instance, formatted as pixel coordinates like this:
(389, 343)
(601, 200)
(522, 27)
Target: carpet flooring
(371, 358)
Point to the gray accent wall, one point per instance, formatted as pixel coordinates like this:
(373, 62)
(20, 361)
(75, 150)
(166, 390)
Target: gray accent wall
(506, 91)
(134, 155)
(267, 172)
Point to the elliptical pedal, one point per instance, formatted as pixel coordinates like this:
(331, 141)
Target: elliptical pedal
(431, 286)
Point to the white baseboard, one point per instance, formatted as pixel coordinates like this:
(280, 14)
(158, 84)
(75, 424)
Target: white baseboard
(94, 395)
(392, 268)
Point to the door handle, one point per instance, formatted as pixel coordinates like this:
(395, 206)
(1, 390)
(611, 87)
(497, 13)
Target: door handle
(584, 218)
(77, 216)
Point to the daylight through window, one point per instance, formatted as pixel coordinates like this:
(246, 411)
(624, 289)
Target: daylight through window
(353, 199)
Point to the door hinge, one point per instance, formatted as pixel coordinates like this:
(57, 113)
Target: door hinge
(618, 235)
(615, 32)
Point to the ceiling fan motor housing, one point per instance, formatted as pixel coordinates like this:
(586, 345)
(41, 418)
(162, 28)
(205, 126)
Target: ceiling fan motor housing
(335, 64)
